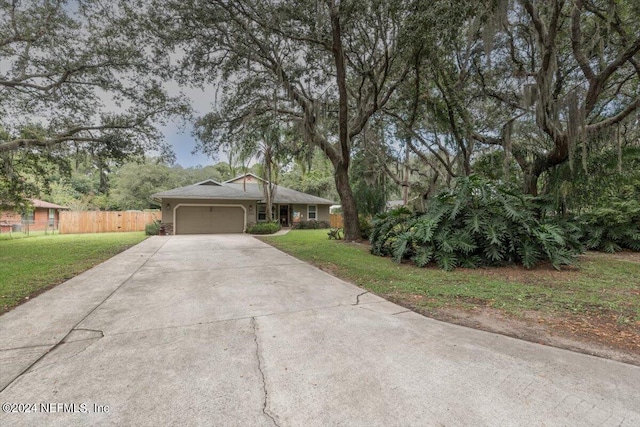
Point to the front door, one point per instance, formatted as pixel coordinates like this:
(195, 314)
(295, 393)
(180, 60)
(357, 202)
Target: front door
(284, 215)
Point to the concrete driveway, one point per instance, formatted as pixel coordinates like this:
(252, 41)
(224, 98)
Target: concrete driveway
(227, 331)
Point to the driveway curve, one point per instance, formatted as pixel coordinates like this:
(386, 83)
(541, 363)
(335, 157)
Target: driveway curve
(226, 330)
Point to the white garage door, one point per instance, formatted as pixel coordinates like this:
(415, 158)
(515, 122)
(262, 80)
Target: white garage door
(209, 219)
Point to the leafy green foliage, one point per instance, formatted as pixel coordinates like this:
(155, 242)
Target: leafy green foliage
(130, 185)
(605, 174)
(264, 228)
(365, 226)
(612, 228)
(76, 78)
(23, 175)
(311, 173)
(336, 233)
(475, 224)
(153, 228)
(370, 184)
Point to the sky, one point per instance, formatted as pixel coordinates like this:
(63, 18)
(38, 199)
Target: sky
(183, 144)
(180, 137)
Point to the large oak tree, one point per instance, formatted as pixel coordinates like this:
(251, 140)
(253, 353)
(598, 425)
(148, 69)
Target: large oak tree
(74, 75)
(324, 66)
(540, 80)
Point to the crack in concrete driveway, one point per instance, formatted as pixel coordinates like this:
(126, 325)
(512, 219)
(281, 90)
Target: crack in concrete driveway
(226, 330)
(265, 406)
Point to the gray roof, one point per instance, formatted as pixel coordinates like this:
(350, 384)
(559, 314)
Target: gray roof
(210, 189)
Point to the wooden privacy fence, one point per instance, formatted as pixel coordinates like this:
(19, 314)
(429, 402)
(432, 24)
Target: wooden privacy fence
(336, 220)
(72, 222)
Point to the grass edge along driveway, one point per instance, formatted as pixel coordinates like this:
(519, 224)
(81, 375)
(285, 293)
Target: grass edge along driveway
(32, 265)
(597, 300)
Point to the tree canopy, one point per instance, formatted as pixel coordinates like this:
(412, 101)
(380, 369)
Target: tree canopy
(74, 77)
(542, 82)
(324, 68)
(401, 97)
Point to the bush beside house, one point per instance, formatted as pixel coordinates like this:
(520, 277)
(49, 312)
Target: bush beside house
(264, 228)
(153, 228)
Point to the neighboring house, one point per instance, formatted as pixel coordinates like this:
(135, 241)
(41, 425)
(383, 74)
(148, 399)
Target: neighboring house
(42, 216)
(211, 207)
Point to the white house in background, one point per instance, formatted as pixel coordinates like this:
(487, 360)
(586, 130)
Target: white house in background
(211, 207)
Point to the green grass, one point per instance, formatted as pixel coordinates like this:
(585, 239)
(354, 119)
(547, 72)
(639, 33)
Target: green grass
(21, 235)
(30, 265)
(596, 285)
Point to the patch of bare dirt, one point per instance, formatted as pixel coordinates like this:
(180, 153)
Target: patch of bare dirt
(625, 255)
(604, 336)
(540, 274)
(328, 268)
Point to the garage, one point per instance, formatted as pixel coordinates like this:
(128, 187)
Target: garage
(209, 219)
(211, 207)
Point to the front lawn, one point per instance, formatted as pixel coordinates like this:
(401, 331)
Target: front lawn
(30, 265)
(598, 299)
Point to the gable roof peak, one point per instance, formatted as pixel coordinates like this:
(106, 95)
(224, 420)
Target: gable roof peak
(244, 177)
(208, 182)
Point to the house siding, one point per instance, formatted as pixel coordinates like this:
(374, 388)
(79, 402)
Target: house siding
(10, 217)
(40, 220)
(322, 212)
(248, 179)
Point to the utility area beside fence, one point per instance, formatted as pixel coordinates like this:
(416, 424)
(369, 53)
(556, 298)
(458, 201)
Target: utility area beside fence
(77, 222)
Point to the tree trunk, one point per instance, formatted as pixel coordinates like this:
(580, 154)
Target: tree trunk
(541, 163)
(405, 181)
(531, 183)
(349, 209)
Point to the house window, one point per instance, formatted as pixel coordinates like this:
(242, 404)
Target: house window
(29, 217)
(52, 217)
(262, 212)
(312, 213)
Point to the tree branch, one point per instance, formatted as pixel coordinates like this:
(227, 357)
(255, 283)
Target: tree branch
(576, 42)
(614, 119)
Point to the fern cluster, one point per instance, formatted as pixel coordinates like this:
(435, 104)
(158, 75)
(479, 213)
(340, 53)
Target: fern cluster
(613, 228)
(475, 224)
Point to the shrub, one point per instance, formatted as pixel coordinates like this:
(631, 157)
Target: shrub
(311, 225)
(336, 233)
(365, 227)
(264, 228)
(153, 228)
(475, 224)
(612, 228)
